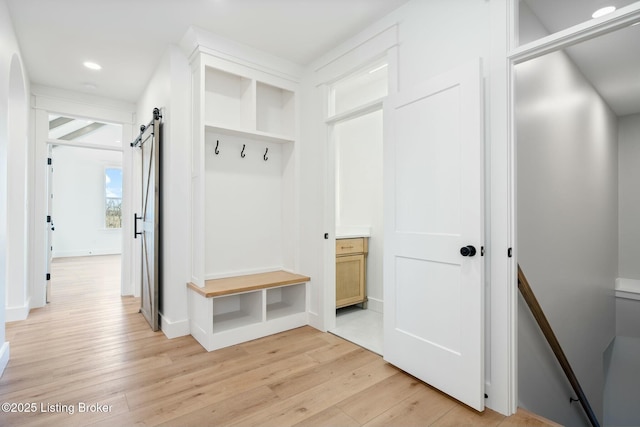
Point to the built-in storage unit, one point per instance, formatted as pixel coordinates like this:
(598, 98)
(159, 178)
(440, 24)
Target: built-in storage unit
(243, 201)
(351, 267)
(232, 310)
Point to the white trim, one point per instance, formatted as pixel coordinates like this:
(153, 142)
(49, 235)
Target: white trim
(502, 374)
(375, 304)
(621, 18)
(14, 314)
(365, 50)
(174, 329)
(353, 113)
(79, 144)
(49, 100)
(5, 353)
(94, 252)
(197, 40)
(627, 288)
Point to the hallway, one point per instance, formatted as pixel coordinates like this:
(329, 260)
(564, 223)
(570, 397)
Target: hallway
(89, 347)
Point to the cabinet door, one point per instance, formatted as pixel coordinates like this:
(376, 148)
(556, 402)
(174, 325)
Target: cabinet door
(350, 279)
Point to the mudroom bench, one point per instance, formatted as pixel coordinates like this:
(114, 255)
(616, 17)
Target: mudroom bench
(236, 309)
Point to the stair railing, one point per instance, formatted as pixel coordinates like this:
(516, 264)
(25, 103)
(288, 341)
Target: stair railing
(544, 325)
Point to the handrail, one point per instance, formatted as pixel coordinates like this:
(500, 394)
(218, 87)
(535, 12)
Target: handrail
(538, 314)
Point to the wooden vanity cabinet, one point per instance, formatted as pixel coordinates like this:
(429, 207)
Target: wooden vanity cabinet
(351, 267)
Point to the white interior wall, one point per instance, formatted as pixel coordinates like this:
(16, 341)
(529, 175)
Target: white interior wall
(169, 89)
(629, 227)
(78, 210)
(17, 222)
(567, 216)
(628, 310)
(14, 90)
(359, 190)
(244, 207)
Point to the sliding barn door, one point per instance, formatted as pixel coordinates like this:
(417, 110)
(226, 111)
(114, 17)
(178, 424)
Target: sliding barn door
(147, 224)
(433, 197)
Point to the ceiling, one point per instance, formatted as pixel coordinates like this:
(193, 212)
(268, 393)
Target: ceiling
(610, 62)
(128, 38)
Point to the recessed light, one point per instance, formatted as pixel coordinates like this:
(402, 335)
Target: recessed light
(603, 11)
(92, 65)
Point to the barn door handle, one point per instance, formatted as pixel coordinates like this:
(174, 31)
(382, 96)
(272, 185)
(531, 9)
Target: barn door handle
(468, 250)
(136, 233)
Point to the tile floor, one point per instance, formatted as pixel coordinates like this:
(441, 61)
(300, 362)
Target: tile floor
(361, 327)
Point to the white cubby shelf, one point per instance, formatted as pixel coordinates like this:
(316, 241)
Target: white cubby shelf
(232, 310)
(238, 104)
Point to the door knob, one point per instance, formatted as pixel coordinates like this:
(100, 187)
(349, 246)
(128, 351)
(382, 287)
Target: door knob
(468, 250)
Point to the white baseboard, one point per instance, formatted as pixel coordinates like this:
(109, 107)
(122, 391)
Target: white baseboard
(14, 314)
(4, 357)
(375, 304)
(86, 252)
(173, 329)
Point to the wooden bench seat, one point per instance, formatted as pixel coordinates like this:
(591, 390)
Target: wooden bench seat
(246, 283)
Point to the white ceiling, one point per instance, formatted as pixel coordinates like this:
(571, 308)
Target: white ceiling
(611, 62)
(128, 37)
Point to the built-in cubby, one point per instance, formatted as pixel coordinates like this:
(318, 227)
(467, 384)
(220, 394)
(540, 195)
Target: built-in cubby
(234, 311)
(285, 301)
(229, 100)
(274, 110)
(243, 211)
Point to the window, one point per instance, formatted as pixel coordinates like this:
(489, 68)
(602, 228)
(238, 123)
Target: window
(113, 197)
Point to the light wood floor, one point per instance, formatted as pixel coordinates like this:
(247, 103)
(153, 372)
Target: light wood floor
(90, 346)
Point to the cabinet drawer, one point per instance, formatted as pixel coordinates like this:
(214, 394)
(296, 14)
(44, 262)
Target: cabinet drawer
(350, 246)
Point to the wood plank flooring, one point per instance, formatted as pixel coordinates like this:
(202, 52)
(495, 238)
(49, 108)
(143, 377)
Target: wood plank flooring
(89, 358)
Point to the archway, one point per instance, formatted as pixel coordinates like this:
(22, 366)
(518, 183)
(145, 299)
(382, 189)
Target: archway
(16, 202)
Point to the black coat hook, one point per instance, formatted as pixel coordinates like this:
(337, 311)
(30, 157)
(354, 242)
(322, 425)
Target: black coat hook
(265, 154)
(242, 152)
(216, 150)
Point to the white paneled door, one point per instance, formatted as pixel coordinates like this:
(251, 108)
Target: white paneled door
(433, 262)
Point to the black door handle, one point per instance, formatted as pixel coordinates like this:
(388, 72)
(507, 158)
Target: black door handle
(468, 250)
(135, 225)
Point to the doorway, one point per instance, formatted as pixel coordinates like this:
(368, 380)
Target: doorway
(85, 186)
(357, 141)
(575, 182)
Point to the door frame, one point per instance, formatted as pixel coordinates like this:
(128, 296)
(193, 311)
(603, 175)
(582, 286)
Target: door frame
(384, 49)
(44, 103)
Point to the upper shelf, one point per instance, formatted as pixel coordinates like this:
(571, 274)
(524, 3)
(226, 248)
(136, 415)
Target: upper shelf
(248, 107)
(262, 136)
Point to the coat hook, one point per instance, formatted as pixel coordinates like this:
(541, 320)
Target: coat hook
(242, 152)
(217, 151)
(265, 154)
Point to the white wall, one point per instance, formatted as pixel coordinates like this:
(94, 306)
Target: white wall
(359, 190)
(14, 90)
(567, 217)
(629, 164)
(79, 202)
(627, 310)
(169, 89)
